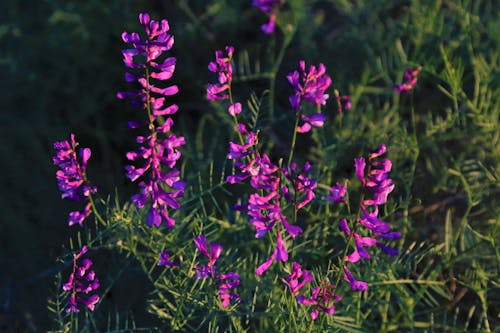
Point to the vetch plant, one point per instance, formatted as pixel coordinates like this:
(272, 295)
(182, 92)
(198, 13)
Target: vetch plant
(159, 148)
(276, 209)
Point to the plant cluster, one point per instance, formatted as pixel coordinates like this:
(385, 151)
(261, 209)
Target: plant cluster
(274, 195)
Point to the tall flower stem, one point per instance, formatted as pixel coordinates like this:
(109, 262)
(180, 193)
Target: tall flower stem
(294, 139)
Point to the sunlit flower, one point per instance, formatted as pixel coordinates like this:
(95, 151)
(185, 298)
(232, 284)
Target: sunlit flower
(159, 148)
(71, 177)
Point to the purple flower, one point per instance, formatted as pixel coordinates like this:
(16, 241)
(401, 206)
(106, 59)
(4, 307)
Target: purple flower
(280, 253)
(359, 241)
(269, 7)
(337, 193)
(165, 260)
(355, 284)
(375, 178)
(71, 178)
(223, 68)
(310, 86)
(212, 253)
(322, 298)
(410, 78)
(159, 148)
(81, 281)
(226, 281)
(300, 190)
(297, 278)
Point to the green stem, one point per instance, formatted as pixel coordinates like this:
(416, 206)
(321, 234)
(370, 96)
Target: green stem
(294, 139)
(235, 119)
(96, 212)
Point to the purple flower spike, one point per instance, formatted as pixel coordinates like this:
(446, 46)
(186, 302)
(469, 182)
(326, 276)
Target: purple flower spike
(227, 282)
(159, 148)
(355, 284)
(81, 281)
(71, 178)
(410, 78)
(376, 180)
(309, 86)
(224, 69)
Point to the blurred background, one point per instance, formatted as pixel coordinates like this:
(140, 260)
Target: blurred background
(61, 66)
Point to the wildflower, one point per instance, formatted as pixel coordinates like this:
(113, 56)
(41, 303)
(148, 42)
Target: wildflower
(81, 281)
(165, 260)
(353, 283)
(223, 68)
(309, 86)
(280, 253)
(71, 178)
(322, 298)
(159, 148)
(269, 7)
(300, 184)
(226, 281)
(377, 180)
(410, 78)
(292, 280)
(212, 256)
(337, 193)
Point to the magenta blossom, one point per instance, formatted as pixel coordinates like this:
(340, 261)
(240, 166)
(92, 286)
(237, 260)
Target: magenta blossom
(270, 7)
(165, 260)
(81, 281)
(355, 284)
(224, 69)
(71, 178)
(227, 281)
(159, 148)
(280, 253)
(322, 298)
(300, 190)
(298, 278)
(309, 86)
(337, 193)
(410, 78)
